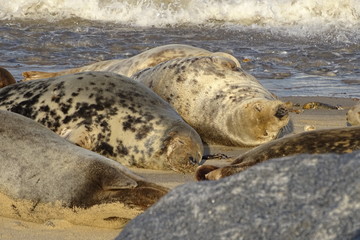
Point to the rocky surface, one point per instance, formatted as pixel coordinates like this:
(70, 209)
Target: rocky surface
(301, 197)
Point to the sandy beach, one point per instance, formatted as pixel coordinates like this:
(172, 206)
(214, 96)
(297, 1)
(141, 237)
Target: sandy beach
(12, 228)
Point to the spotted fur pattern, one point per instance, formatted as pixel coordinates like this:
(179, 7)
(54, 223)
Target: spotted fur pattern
(111, 115)
(214, 95)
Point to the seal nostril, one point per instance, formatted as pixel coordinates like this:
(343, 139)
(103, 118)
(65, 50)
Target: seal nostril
(281, 112)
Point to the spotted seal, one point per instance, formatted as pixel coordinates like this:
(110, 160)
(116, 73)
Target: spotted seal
(339, 140)
(109, 114)
(38, 165)
(133, 64)
(6, 78)
(224, 104)
(353, 115)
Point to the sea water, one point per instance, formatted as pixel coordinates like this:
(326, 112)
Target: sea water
(294, 47)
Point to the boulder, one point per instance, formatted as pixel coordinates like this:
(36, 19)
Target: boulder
(299, 197)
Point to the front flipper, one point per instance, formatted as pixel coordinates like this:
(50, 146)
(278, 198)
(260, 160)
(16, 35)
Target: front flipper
(79, 136)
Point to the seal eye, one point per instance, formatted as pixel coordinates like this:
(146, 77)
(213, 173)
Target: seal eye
(192, 160)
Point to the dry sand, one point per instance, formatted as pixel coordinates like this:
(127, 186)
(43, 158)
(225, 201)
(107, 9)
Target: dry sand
(72, 223)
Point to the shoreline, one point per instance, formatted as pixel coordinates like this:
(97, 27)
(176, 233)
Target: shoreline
(61, 229)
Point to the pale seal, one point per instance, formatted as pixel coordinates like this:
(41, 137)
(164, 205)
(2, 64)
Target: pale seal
(353, 115)
(6, 78)
(340, 140)
(38, 165)
(109, 114)
(215, 96)
(133, 64)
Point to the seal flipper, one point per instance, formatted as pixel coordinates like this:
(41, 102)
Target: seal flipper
(143, 196)
(34, 75)
(79, 136)
(120, 181)
(108, 185)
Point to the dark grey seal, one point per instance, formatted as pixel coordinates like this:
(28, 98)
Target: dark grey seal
(38, 165)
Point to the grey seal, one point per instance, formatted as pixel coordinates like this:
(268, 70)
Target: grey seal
(38, 165)
(222, 102)
(339, 140)
(109, 114)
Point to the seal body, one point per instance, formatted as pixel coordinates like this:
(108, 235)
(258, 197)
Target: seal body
(353, 115)
(38, 165)
(6, 78)
(340, 140)
(131, 65)
(111, 115)
(215, 96)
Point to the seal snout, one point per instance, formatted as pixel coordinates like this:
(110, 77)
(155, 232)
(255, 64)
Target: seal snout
(281, 112)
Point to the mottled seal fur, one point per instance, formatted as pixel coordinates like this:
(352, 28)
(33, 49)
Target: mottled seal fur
(353, 115)
(38, 165)
(340, 140)
(109, 114)
(133, 64)
(6, 78)
(215, 96)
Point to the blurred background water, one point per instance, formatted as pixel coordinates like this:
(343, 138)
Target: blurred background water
(294, 47)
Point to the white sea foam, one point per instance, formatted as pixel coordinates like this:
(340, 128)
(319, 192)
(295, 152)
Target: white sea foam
(306, 18)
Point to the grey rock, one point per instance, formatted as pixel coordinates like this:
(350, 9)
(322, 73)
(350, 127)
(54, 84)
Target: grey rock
(300, 197)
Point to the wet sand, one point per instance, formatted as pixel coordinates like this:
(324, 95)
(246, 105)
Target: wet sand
(12, 228)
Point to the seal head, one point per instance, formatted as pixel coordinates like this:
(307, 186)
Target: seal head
(183, 151)
(353, 115)
(6, 78)
(224, 104)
